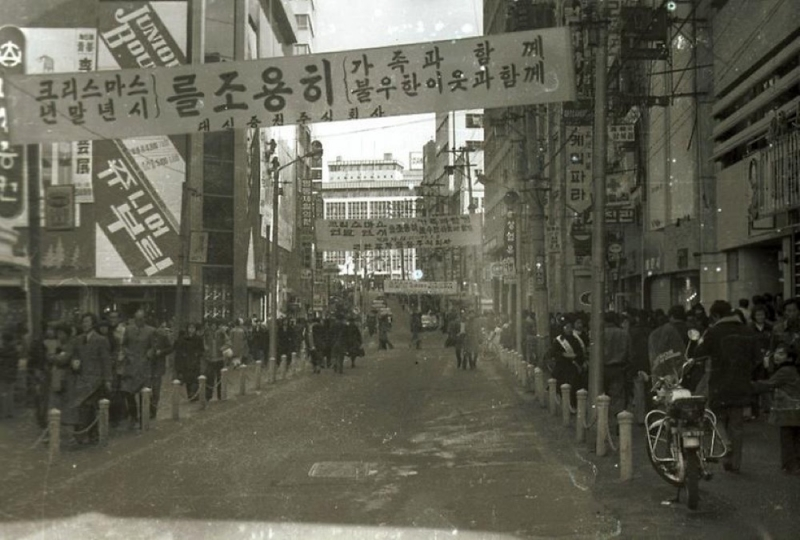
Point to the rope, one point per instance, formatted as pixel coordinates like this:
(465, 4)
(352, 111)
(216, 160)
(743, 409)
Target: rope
(86, 429)
(589, 426)
(41, 438)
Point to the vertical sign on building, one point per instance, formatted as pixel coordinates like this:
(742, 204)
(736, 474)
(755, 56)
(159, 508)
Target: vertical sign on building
(579, 169)
(82, 150)
(12, 164)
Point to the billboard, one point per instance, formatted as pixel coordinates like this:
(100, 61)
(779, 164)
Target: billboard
(503, 70)
(138, 182)
(398, 286)
(377, 234)
(13, 55)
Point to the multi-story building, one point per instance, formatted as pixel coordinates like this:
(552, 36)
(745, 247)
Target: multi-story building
(371, 189)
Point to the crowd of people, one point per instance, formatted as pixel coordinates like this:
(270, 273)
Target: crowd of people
(80, 361)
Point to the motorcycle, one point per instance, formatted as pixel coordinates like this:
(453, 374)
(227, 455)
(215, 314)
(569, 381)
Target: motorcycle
(682, 435)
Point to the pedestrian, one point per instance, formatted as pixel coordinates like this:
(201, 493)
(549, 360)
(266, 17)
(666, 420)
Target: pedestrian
(616, 364)
(416, 327)
(216, 342)
(570, 362)
(353, 340)
(372, 322)
(238, 340)
(138, 347)
(189, 352)
(384, 326)
(731, 348)
(314, 338)
(787, 331)
(92, 376)
(667, 346)
(59, 353)
(339, 343)
(472, 340)
(785, 410)
(162, 348)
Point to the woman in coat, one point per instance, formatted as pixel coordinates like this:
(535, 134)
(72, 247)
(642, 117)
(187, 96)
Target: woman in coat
(189, 351)
(92, 375)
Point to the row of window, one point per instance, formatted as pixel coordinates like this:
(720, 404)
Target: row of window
(373, 261)
(370, 209)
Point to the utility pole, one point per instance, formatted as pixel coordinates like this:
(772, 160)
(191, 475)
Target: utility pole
(537, 226)
(599, 28)
(34, 244)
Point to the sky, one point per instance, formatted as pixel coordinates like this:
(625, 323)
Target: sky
(361, 24)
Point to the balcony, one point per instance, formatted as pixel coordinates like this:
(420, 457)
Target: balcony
(774, 176)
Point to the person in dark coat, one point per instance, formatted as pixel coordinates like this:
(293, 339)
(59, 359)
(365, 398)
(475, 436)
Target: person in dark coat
(570, 362)
(732, 350)
(339, 344)
(667, 345)
(416, 327)
(315, 338)
(353, 340)
(137, 349)
(785, 412)
(92, 376)
(189, 351)
(384, 326)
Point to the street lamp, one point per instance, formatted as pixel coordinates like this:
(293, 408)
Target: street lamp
(276, 168)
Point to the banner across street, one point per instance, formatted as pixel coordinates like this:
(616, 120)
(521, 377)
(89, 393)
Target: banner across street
(501, 70)
(399, 233)
(398, 286)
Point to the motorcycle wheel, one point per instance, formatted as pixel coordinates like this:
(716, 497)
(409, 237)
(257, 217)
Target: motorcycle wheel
(664, 471)
(692, 479)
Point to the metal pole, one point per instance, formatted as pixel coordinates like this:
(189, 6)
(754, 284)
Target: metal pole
(598, 213)
(34, 246)
(520, 271)
(273, 269)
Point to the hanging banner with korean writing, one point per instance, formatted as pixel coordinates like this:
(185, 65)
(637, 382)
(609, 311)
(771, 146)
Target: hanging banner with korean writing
(492, 71)
(12, 157)
(510, 239)
(374, 234)
(134, 34)
(579, 169)
(397, 286)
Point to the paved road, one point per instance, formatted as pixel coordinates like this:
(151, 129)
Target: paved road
(402, 440)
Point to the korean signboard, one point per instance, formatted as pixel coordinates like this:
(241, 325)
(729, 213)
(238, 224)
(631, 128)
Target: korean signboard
(421, 232)
(397, 286)
(12, 157)
(579, 169)
(492, 71)
(59, 208)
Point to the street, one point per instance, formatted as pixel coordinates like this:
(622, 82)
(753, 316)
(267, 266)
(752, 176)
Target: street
(403, 440)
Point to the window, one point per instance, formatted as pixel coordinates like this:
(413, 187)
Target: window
(303, 21)
(302, 48)
(474, 121)
(357, 210)
(335, 210)
(473, 146)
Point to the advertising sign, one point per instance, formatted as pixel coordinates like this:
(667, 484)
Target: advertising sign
(138, 182)
(398, 286)
(12, 157)
(376, 234)
(502, 70)
(59, 208)
(579, 169)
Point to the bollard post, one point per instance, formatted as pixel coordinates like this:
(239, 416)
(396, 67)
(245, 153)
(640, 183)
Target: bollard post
(102, 421)
(538, 386)
(639, 400)
(580, 415)
(271, 369)
(242, 379)
(602, 424)
(625, 420)
(201, 384)
(54, 427)
(223, 384)
(282, 370)
(529, 370)
(259, 368)
(147, 398)
(176, 399)
(565, 401)
(552, 392)
(295, 365)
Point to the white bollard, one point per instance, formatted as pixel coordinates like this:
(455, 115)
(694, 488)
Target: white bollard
(566, 389)
(538, 383)
(625, 420)
(602, 424)
(282, 368)
(271, 370)
(295, 365)
(259, 368)
(102, 421)
(201, 385)
(580, 415)
(223, 384)
(176, 399)
(242, 379)
(552, 391)
(529, 377)
(147, 398)
(54, 427)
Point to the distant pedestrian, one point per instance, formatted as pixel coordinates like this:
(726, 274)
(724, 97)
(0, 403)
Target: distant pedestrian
(138, 347)
(353, 340)
(384, 327)
(189, 351)
(416, 328)
(339, 343)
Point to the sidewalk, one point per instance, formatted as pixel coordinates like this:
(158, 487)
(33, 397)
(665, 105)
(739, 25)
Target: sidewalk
(759, 502)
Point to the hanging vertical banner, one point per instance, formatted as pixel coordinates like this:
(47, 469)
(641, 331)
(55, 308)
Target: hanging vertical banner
(138, 182)
(579, 169)
(510, 235)
(12, 157)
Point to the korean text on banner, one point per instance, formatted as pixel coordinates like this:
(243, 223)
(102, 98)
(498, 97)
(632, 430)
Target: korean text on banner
(371, 234)
(397, 286)
(492, 71)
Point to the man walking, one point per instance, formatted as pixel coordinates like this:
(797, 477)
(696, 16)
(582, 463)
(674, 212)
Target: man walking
(138, 347)
(416, 328)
